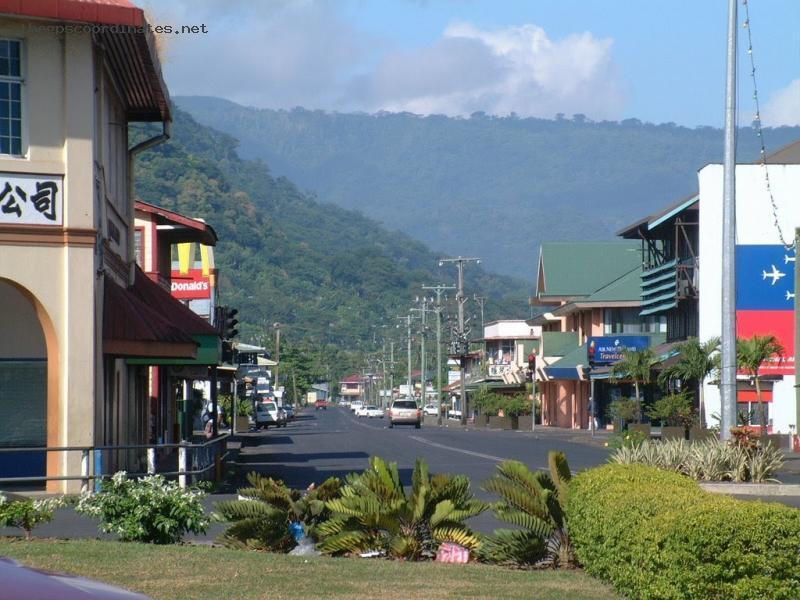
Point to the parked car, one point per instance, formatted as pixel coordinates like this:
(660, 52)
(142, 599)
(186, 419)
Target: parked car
(430, 410)
(24, 582)
(320, 405)
(405, 412)
(355, 405)
(361, 411)
(373, 411)
(289, 410)
(268, 413)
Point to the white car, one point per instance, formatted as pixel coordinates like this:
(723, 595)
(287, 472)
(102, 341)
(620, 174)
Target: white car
(454, 414)
(355, 405)
(268, 413)
(430, 410)
(372, 411)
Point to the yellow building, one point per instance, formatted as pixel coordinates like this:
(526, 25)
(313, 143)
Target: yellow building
(69, 87)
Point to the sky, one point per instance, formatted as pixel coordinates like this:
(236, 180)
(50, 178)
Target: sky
(654, 60)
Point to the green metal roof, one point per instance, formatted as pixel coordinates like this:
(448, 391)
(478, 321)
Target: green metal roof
(622, 289)
(582, 268)
(567, 367)
(558, 343)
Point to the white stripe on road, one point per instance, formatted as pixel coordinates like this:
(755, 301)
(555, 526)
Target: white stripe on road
(470, 452)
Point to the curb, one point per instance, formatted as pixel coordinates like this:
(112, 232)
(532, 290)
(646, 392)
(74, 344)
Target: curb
(753, 489)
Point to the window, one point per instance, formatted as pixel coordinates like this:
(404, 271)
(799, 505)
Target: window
(10, 97)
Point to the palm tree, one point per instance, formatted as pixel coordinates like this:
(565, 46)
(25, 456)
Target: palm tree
(697, 360)
(636, 366)
(751, 354)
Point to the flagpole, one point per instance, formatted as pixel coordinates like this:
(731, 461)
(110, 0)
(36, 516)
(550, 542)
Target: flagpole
(728, 374)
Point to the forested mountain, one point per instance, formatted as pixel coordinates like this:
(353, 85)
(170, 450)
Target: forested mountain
(490, 186)
(334, 278)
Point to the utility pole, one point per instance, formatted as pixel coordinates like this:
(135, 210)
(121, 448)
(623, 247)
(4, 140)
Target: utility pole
(462, 344)
(277, 327)
(438, 289)
(481, 300)
(383, 379)
(391, 370)
(423, 311)
(407, 320)
(728, 372)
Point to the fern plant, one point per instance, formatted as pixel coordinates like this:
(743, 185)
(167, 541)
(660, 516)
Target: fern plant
(535, 503)
(261, 517)
(375, 513)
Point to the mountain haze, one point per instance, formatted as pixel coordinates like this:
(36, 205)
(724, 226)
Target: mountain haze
(335, 279)
(493, 187)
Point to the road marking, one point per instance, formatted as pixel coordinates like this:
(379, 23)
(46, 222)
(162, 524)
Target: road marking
(462, 451)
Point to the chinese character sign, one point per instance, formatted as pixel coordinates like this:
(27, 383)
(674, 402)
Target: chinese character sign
(31, 199)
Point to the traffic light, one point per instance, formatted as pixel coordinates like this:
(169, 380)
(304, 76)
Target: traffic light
(229, 323)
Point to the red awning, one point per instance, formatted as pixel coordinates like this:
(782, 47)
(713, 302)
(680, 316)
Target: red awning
(175, 312)
(751, 396)
(132, 328)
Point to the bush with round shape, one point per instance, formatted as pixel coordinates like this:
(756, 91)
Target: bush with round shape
(657, 534)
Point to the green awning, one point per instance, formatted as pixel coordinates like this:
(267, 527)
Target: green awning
(567, 366)
(208, 353)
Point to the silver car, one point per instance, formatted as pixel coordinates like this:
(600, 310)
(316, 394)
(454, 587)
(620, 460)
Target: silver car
(405, 412)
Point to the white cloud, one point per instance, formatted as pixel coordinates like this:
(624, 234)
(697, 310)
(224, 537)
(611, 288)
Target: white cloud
(516, 69)
(286, 53)
(783, 107)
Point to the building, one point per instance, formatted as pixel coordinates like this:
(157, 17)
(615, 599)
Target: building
(589, 294)
(765, 275)
(75, 304)
(352, 387)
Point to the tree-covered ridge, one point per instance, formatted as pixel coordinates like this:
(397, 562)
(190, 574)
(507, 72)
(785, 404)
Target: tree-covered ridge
(489, 186)
(330, 275)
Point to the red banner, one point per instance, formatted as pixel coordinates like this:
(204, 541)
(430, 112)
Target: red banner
(779, 323)
(191, 286)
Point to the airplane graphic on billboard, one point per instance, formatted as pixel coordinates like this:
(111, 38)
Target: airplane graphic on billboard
(774, 275)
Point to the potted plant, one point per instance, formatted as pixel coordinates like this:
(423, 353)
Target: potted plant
(487, 403)
(675, 413)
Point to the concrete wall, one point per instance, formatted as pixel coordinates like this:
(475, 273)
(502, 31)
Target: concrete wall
(754, 225)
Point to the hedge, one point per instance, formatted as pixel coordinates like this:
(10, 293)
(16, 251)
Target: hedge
(656, 534)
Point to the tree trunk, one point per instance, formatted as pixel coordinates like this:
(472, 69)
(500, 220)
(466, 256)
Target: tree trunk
(762, 413)
(638, 401)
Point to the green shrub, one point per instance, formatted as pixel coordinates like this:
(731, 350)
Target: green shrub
(375, 513)
(656, 534)
(627, 439)
(261, 517)
(626, 410)
(150, 509)
(706, 460)
(673, 410)
(27, 513)
(532, 501)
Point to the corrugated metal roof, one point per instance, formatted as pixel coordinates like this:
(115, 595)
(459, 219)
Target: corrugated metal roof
(575, 269)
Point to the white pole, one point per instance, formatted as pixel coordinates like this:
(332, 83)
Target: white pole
(84, 471)
(182, 466)
(728, 375)
(151, 461)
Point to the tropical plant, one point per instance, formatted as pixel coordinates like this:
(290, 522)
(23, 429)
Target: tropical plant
(672, 410)
(27, 513)
(150, 509)
(697, 360)
(626, 410)
(486, 401)
(706, 460)
(375, 513)
(751, 354)
(261, 516)
(534, 502)
(514, 406)
(635, 366)
(627, 439)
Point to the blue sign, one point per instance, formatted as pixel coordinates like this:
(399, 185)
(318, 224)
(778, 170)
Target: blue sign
(604, 350)
(764, 277)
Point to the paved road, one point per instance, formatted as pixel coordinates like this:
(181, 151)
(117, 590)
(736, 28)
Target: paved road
(333, 442)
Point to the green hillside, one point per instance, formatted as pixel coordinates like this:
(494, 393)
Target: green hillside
(334, 278)
(488, 186)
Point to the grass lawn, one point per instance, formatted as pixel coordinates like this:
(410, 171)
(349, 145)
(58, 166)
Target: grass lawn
(175, 572)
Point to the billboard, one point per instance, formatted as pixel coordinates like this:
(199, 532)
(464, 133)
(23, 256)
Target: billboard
(765, 298)
(604, 350)
(191, 286)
